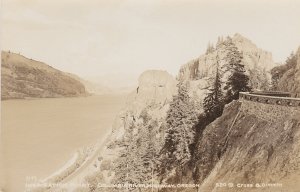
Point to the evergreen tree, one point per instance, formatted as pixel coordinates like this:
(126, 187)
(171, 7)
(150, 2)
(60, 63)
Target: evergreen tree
(127, 166)
(291, 61)
(213, 102)
(180, 120)
(277, 72)
(213, 105)
(265, 84)
(237, 81)
(220, 41)
(136, 161)
(149, 151)
(210, 48)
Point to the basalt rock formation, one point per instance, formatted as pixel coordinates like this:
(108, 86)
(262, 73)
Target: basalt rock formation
(153, 95)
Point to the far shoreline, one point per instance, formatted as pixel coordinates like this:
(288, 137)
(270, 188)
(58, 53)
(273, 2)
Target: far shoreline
(71, 97)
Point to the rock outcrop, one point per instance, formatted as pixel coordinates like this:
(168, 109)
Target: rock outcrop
(26, 78)
(289, 75)
(154, 87)
(153, 95)
(258, 63)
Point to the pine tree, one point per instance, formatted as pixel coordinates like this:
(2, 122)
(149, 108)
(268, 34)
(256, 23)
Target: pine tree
(123, 166)
(220, 41)
(265, 84)
(277, 72)
(238, 81)
(213, 102)
(136, 161)
(180, 120)
(213, 105)
(210, 48)
(149, 151)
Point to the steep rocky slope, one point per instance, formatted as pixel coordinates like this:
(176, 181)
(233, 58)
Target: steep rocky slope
(289, 75)
(26, 78)
(243, 148)
(258, 62)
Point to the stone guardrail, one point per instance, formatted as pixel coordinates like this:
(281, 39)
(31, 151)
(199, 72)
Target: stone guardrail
(270, 108)
(273, 100)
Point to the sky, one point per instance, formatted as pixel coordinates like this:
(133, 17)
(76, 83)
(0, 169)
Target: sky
(113, 41)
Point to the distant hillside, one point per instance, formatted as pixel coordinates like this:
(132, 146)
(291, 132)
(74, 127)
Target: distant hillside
(26, 78)
(91, 87)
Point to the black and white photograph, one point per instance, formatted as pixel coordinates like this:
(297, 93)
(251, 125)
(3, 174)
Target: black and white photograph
(150, 96)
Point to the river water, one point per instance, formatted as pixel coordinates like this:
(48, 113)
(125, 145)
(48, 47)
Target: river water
(38, 136)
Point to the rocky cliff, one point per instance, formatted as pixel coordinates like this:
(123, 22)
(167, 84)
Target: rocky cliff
(26, 78)
(287, 76)
(153, 95)
(258, 62)
(242, 148)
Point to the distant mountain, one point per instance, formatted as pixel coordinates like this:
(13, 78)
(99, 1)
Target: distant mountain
(26, 78)
(91, 87)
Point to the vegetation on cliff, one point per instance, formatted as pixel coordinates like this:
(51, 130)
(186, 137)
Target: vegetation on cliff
(287, 77)
(180, 121)
(27, 78)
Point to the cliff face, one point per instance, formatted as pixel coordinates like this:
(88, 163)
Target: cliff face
(289, 75)
(155, 87)
(241, 147)
(153, 95)
(258, 63)
(26, 78)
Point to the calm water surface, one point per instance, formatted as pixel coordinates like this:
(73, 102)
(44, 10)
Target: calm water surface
(39, 136)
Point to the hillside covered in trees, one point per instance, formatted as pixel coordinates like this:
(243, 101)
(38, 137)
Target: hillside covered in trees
(27, 78)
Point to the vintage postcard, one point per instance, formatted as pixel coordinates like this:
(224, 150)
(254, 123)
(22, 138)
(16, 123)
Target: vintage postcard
(150, 96)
